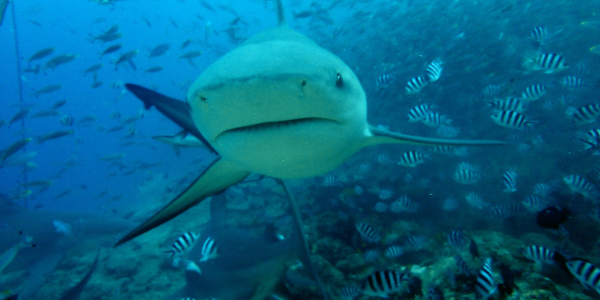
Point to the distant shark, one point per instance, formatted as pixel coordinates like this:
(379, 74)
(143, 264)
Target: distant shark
(278, 105)
(3, 6)
(50, 244)
(249, 266)
(182, 139)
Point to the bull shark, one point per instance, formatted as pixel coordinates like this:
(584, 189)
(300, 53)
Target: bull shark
(51, 245)
(249, 266)
(277, 105)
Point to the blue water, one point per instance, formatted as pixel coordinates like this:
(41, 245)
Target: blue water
(481, 43)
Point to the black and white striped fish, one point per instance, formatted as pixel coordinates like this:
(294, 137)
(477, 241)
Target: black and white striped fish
(434, 119)
(385, 80)
(183, 244)
(543, 189)
(586, 273)
(539, 254)
(511, 119)
(372, 255)
(484, 286)
(416, 84)
(499, 212)
(462, 265)
(350, 292)
(384, 282)
(578, 184)
(330, 181)
(466, 174)
(547, 62)
(209, 249)
(510, 103)
(364, 168)
(533, 92)
(584, 114)
(457, 238)
(573, 82)
(418, 112)
(509, 180)
(476, 201)
(367, 232)
(394, 251)
(539, 33)
(493, 89)
(412, 158)
(449, 204)
(403, 204)
(434, 70)
(415, 242)
(534, 203)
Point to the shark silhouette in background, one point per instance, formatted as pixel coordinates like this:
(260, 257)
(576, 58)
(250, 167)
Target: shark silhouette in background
(53, 234)
(249, 266)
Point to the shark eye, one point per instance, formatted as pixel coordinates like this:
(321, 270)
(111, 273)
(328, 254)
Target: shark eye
(339, 82)
(203, 98)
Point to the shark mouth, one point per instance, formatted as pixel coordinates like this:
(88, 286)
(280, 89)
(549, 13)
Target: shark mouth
(276, 124)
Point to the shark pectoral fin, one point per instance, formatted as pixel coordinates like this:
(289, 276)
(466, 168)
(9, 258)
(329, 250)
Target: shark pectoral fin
(219, 175)
(380, 136)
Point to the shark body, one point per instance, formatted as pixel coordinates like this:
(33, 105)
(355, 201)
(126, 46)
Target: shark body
(277, 105)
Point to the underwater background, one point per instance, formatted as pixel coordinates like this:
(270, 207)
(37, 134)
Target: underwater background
(94, 152)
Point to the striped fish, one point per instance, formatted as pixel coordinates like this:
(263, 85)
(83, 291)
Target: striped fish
(466, 176)
(543, 189)
(462, 265)
(533, 92)
(415, 242)
(394, 251)
(511, 119)
(509, 180)
(209, 249)
(457, 239)
(434, 119)
(371, 255)
(367, 232)
(547, 62)
(587, 273)
(412, 158)
(573, 82)
(510, 103)
(539, 254)
(476, 201)
(484, 286)
(533, 203)
(539, 33)
(350, 292)
(493, 89)
(500, 212)
(418, 112)
(584, 114)
(385, 282)
(183, 244)
(385, 80)
(434, 70)
(449, 204)
(402, 204)
(578, 184)
(416, 84)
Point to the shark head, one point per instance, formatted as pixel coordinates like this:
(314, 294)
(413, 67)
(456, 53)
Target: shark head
(280, 100)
